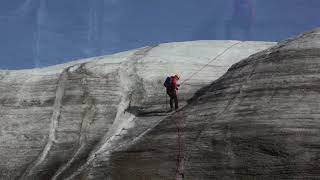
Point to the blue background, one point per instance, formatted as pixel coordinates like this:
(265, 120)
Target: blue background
(37, 33)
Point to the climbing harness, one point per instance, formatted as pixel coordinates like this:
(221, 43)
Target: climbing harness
(181, 156)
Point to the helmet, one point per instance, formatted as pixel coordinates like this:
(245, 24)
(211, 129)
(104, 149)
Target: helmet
(177, 76)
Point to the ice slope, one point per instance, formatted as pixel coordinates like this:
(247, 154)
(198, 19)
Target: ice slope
(62, 121)
(260, 120)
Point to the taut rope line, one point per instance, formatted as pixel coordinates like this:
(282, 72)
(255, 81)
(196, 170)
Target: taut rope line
(181, 157)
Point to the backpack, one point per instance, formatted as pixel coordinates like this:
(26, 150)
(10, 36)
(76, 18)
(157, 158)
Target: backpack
(168, 82)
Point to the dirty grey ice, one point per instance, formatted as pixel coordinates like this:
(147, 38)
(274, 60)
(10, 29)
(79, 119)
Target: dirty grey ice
(253, 113)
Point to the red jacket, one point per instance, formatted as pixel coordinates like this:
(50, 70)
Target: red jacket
(175, 85)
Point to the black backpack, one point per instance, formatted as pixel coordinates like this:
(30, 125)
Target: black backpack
(168, 82)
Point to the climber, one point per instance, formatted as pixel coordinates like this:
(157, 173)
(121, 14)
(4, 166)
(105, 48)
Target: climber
(172, 87)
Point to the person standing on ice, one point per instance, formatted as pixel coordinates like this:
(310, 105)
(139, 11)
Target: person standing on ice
(171, 84)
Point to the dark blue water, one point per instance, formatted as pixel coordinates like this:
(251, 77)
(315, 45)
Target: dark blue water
(36, 33)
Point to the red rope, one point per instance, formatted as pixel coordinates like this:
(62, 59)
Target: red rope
(180, 155)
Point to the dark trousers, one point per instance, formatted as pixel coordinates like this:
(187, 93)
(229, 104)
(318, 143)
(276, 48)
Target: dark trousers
(173, 98)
